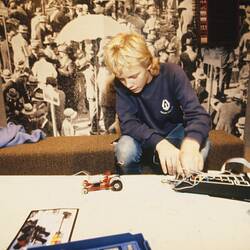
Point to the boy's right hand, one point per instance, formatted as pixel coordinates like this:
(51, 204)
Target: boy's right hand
(169, 157)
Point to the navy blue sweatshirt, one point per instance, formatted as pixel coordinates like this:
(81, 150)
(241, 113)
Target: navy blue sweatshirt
(163, 103)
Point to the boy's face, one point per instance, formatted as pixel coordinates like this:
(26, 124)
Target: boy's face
(135, 78)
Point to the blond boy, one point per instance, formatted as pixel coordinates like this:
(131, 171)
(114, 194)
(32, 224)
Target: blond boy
(157, 109)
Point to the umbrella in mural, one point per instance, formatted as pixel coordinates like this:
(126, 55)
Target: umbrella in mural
(90, 27)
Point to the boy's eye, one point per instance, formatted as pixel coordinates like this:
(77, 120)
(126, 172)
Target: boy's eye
(133, 77)
(129, 77)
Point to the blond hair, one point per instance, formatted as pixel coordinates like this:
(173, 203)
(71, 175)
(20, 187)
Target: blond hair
(127, 50)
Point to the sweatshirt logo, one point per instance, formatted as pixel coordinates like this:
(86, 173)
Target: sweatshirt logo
(166, 108)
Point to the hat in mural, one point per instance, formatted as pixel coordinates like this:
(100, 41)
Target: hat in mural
(41, 53)
(199, 74)
(237, 97)
(48, 40)
(22, 29)
(51, 81)
(183, 5)
(85, 8)
(244, 72)
(12, 94)
(62, 48)
(79, 6)
(241, 122)
(151, 9)
(98, 9)
(28, 109)
(13, 21)
(38, 11)
(189, 41)
(247, 9)
(38, 94)
(80, 53)
(171, 48)
(35, 43)
(100, 1)
(151, 37)
(25, 72)
(6, 74)
(69, 112)
(32, 80)
(21, 63)
(247, 58)
(43, 19)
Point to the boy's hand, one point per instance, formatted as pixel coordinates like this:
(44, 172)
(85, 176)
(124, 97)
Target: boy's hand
(190, 156)
(181, 162)
(169, 158)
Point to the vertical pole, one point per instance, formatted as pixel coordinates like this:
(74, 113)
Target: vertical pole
(211, 81)
(247, 126)
(96, 86)
(43, 7)
(3, 122)
(116, 9)
(7, 43)
(52, 110)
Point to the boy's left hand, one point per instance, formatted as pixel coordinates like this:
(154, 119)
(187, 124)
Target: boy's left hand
(191, 162)
(190, 157)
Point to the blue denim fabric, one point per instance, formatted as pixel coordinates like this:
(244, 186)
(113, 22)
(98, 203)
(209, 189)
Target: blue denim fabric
(129, 152)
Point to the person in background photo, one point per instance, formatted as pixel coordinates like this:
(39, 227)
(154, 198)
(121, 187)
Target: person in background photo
(158, 111)
(240, 126)
(43, 69)
(188, 58)
(67, 125)
(66, 76)
(106, 95)
(13, 106)
(19, 45)
(81, 63)
(227, 112)
(4, 59)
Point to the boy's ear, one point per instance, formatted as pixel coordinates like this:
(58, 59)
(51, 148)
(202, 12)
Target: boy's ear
(149, 68)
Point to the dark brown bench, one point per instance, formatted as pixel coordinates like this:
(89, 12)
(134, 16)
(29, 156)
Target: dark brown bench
(59, 156)
(224, 146)
(95, 154)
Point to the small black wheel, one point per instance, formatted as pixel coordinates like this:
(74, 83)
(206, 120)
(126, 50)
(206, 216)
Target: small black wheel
(85, 191)
(116, 185)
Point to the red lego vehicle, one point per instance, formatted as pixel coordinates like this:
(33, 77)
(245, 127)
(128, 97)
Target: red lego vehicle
(105, 182)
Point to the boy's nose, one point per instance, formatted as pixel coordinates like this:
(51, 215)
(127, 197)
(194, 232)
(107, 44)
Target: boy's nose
(129, 83)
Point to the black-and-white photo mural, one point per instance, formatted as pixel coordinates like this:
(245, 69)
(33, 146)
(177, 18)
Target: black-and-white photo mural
(54, 78)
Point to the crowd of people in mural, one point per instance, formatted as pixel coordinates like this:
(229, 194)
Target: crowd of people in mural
(37, 58)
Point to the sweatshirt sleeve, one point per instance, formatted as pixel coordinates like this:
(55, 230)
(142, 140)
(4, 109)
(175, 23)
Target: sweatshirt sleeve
(130, 123)
(197, 121)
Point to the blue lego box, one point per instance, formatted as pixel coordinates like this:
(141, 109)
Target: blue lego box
(113, 242)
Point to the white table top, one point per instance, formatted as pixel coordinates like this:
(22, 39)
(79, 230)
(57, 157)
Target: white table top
(167, 219)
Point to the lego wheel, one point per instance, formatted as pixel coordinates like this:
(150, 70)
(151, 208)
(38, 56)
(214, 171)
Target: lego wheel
(85, 191)
(116, 185)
